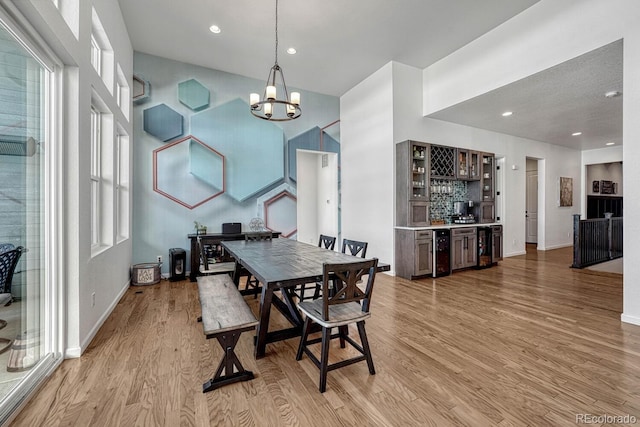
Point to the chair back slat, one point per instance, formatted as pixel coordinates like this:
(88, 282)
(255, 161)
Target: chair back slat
(204, 259)
(259, 235)
(355, 247)
(8, 262)
(327, 242)
(345, 278)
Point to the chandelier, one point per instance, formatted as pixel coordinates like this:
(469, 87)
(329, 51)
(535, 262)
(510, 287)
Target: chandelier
(270, 107)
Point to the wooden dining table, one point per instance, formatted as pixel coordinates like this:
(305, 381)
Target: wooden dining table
(282, 264)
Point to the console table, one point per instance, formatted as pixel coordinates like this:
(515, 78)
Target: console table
(211, 239)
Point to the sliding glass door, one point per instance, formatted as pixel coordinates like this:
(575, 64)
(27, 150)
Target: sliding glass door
(25, 219)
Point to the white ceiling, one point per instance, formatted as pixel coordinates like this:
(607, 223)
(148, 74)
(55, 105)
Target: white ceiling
(551, 105)
(341, 42)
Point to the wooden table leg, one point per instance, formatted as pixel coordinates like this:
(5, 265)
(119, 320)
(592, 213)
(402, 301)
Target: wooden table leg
(230, 364)
(263, 326)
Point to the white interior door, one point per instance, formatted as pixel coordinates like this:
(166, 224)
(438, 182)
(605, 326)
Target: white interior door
(532, 207)
(317, 194)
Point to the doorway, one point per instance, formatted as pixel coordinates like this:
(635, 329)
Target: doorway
(317, 194)
(531, 212)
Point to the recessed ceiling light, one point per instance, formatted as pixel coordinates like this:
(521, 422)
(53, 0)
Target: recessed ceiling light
(507, 113)
(214, 29)
(576, 134)
(291, 51)
(611, 143)
(613, 94)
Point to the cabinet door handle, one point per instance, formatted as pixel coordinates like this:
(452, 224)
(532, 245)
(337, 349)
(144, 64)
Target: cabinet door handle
(466, 243)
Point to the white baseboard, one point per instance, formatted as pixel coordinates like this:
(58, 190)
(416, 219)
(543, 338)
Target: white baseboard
(74, 352)
(634, 320)
(562, 245)
(515, 254)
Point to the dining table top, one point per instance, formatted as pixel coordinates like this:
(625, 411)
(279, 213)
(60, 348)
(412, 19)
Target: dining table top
(286, 262)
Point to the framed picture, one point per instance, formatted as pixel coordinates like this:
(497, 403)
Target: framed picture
(606, 187)
(596, 187)
(566, 191)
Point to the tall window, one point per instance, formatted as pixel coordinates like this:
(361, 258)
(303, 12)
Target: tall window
(95, 176)
(122, 186)
(96, 55)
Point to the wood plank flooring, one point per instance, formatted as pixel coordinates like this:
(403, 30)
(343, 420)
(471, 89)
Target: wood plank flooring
(529, 342)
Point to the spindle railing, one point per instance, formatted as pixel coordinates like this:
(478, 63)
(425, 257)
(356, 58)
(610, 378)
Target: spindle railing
(596, 240)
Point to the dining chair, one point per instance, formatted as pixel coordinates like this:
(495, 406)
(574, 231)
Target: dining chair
(326, 242)
(252, 282)
(348, 304)
(356, 248)
(8, 262)
(208, 267)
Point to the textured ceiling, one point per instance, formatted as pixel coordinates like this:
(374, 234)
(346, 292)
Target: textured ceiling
(340, 43)
(549, 106)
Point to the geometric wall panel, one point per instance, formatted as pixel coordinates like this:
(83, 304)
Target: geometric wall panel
(280, 213)
(189, 172)
(193, 94)
(141, 89)
(253, 149)
(162, 122)
(310, 140)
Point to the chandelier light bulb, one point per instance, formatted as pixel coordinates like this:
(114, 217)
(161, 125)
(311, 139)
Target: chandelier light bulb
(254, 98)
(271, 93)
(295, 98)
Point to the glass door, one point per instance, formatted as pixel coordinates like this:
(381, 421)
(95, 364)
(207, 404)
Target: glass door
(24, 219)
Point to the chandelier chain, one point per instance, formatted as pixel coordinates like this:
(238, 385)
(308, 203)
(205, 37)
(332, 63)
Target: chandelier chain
(276, 32)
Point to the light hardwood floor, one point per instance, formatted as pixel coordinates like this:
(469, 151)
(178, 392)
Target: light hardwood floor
(529, 342)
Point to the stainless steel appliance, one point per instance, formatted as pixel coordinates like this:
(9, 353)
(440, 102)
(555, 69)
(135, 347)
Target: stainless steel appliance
(463, 212)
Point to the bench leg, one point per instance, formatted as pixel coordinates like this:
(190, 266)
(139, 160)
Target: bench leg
(228, 364)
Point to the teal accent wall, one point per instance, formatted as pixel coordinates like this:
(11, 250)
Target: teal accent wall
(257, 156)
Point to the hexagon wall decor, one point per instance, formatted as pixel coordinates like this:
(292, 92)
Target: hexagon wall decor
(141, 89)
(193, 94)
(163, 122)
(280, 213)
(189, 172)
(254, 149)
(310, 140)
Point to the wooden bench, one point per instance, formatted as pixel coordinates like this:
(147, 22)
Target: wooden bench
(225, 315)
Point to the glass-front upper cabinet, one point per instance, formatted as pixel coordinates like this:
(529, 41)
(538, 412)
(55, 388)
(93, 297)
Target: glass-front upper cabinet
(462, 165)
(468, 164)
(419, 183)
(488, 177)
(412, 183)
(474, 165)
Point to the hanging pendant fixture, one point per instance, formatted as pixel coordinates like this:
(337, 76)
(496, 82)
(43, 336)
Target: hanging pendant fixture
(270, 107)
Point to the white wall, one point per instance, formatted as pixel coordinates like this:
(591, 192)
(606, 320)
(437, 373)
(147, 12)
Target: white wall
(317, 194)
(367, 152)
(106, 274)
(593, 157)
(605, 171)
(307, 189)
(327, 197)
